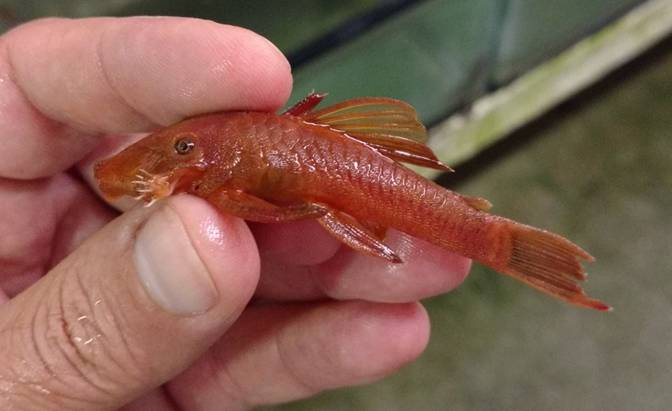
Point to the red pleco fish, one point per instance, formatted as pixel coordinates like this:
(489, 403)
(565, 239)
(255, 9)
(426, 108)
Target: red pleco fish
(341, 165)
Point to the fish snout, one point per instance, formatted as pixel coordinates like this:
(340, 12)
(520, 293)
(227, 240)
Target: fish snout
(113, 182)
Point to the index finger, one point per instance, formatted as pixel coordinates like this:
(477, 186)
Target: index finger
(62, 81)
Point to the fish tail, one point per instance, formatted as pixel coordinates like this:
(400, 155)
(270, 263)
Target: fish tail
(549, 263)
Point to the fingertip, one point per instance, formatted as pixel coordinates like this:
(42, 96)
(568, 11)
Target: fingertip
(358, 341)
(268, 64)
(226, 247)
(459, 270)
(385, 338)
(427, 270)
(277, 353)
(191, 66)
(423, 256)
(414, 328)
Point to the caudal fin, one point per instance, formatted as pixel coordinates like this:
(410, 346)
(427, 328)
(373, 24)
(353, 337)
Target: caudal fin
(550, 263)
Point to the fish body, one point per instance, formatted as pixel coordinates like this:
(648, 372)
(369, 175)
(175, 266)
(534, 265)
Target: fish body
(300, 162)
(342, 166)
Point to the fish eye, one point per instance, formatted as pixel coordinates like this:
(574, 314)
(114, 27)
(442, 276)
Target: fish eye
(184, 146)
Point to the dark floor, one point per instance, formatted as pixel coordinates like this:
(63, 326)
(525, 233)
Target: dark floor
(598, 170)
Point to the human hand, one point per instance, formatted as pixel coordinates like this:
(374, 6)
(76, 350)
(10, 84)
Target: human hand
(151, 309)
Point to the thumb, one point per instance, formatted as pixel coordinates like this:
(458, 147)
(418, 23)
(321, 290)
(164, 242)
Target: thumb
(132, 307)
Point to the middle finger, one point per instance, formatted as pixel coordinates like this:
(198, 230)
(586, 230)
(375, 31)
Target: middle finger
(335, 271)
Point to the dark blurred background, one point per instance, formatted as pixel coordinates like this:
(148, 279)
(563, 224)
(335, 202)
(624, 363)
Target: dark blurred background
(595, 168)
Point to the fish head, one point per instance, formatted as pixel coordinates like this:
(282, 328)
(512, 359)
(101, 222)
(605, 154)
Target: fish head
(155, 166)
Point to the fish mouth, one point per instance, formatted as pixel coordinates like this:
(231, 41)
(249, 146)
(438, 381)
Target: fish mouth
(143, 184)
(149, 187)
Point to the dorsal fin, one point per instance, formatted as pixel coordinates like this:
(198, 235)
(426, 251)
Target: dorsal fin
(304, 106)
(368, 115)
(388, 125)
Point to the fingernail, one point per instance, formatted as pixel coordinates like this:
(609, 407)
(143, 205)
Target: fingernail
(169, 267)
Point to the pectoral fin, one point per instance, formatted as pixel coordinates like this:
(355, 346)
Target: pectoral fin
(355, 235)
(252, 208)
(379, 231)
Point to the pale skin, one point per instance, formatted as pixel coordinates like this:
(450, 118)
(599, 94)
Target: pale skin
(74, 91)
